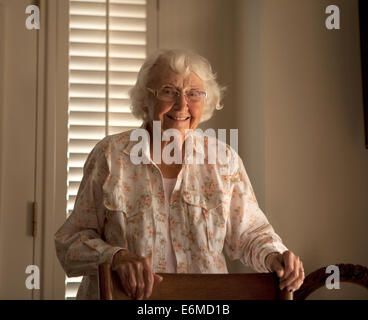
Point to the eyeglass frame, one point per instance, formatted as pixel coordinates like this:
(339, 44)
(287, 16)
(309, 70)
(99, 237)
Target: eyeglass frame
(155, 93)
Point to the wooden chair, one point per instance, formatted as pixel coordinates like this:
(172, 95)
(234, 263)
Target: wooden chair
(348, 273)
(252, 286)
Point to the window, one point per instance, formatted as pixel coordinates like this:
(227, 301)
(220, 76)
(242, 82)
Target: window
(107, 46)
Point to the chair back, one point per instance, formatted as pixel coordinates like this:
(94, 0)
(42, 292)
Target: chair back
(184, 286)
(348, 272)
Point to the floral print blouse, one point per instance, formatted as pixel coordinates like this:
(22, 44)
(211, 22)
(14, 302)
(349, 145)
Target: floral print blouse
(122, 205)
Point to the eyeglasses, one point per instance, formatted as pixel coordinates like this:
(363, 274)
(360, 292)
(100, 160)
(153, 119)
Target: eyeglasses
(171, 94)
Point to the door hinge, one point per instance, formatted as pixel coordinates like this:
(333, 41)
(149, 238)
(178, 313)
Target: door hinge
(35, 219)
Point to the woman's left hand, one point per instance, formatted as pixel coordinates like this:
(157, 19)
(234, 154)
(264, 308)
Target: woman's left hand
(289, 269)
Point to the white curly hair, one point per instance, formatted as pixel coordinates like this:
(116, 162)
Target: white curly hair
(182, 62)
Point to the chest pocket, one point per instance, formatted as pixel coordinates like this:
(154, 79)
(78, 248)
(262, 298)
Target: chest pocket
(129, 219)
(207, 220)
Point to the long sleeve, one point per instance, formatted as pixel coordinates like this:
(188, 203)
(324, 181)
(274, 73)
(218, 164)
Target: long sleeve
(250, 237)
(79, 244)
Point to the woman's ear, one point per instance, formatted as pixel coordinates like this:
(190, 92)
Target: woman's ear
(147, 116)
(148, 107)
(146, 111)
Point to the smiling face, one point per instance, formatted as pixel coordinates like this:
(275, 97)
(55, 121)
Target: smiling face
(179, 114)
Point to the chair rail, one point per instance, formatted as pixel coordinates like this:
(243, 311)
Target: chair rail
(251, 286)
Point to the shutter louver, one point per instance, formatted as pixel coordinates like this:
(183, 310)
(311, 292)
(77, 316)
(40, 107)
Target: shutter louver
(107, 46)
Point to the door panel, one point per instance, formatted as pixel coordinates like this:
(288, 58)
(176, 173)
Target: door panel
(18, 127)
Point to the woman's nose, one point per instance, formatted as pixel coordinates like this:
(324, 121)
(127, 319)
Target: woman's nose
(181, 103)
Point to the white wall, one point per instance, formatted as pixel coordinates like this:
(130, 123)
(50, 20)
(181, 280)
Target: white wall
(309, 92)
(206, 27)
(295, 96)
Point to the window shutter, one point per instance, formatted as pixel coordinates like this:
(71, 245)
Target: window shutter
(107, 46)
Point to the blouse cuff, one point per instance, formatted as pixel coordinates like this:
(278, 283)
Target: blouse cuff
(108, 255)
(279, 248)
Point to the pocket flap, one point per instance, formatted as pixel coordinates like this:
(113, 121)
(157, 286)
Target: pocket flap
(208, 201)
(121, 197)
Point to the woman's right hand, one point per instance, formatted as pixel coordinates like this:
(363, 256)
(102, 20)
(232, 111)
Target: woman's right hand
(135, 273)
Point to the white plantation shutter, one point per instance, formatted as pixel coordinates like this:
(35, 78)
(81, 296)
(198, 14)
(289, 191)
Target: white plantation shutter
(107, 47)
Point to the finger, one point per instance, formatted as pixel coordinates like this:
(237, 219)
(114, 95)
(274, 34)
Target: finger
(149, 258)
(302, 267)
(288, 262)
(148, 278)
(294, 274)
(157, 278)
(277, 266)
(300, 279)
(296, 278)
(123, 275)
(140, 280)
(295, 285)
(132, 279)
(298, 283)
(149, 281)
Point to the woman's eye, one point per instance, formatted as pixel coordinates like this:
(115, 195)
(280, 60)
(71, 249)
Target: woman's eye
(168, 91)
(193, 93)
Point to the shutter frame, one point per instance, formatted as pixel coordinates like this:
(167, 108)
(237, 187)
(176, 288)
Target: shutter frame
(103, 66)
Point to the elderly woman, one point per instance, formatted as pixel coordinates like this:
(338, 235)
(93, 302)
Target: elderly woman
(161, 217)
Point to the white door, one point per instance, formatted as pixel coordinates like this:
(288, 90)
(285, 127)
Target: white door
(18, 79)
